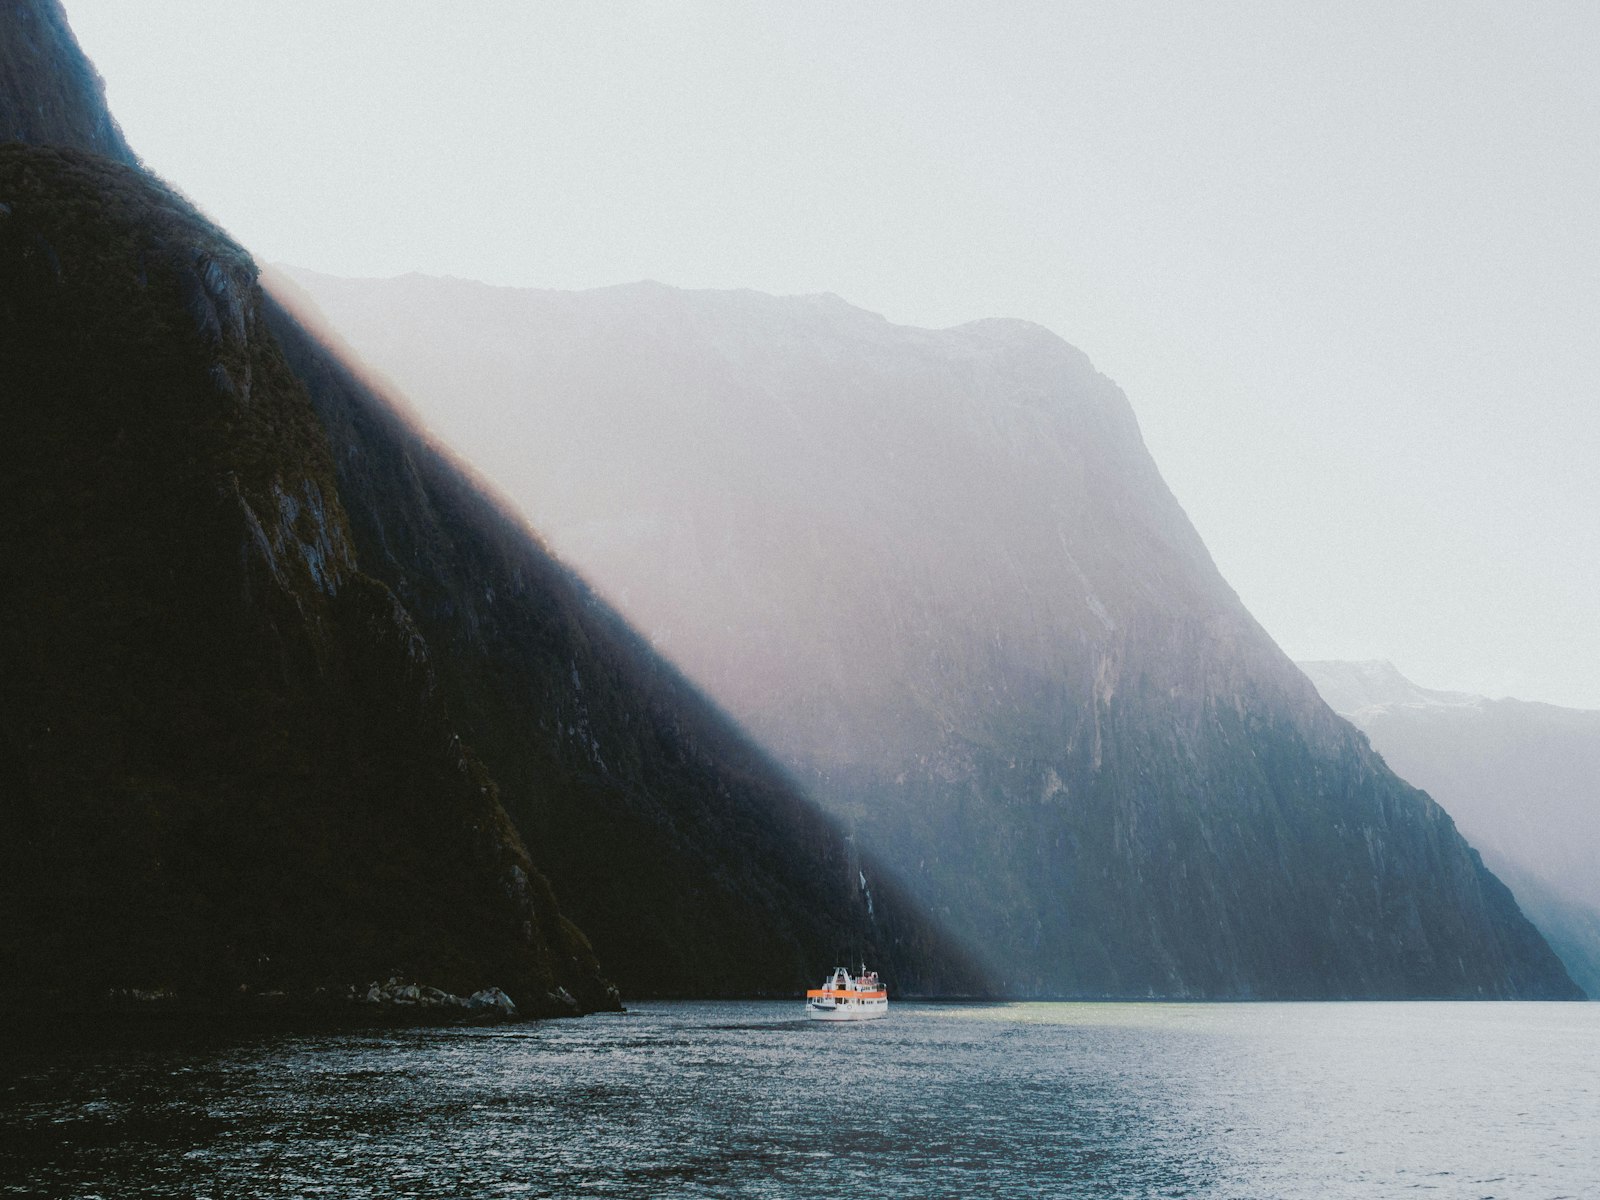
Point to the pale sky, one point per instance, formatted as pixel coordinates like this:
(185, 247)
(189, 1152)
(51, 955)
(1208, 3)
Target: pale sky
(1344, 259)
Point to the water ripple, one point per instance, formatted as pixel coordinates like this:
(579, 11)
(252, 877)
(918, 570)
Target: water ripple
(1232, 1102)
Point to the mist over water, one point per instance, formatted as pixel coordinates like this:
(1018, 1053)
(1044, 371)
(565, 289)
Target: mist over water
(747, 1099)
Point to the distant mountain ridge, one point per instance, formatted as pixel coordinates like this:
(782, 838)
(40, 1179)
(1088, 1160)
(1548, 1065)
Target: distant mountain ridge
(1375, 686)
(1522, 779)
(939, 574)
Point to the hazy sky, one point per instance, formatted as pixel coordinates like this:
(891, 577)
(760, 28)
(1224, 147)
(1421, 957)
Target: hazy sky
(1344, 259)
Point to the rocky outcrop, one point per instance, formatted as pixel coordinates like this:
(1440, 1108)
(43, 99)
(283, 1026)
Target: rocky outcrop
(484, 1004)
(938, 573)
(395, 1001)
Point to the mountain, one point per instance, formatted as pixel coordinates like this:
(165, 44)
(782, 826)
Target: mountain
(1521, 779)
(226, 761)
(693, 863)
(289, 703)
(1572, 927)
(937, 573)
(49, 92)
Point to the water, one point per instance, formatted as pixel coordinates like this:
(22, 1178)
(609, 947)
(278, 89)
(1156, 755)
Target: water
(1070, 1100)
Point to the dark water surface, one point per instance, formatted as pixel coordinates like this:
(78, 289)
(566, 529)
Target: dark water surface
(1095, 1100)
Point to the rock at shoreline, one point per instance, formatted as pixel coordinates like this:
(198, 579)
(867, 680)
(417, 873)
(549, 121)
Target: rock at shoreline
(487, 1002)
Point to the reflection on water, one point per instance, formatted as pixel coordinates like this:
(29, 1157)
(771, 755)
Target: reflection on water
(1112, 1100)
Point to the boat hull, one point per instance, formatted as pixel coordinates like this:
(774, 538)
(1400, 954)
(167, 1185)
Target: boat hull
(848, 1012)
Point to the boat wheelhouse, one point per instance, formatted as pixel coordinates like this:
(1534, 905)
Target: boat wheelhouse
(843, 997)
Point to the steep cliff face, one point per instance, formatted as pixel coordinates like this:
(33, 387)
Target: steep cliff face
(227, 763)
(693, 864)
(1522, 780)
(50, 95)
(939, 574)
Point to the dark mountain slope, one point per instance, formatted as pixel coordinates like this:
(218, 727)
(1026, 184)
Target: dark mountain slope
(226, 762)
(50, 94)
(693, 865)
(938, 573)
(231, 755)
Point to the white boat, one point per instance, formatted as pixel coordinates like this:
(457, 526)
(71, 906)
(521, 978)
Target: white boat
(843, 997)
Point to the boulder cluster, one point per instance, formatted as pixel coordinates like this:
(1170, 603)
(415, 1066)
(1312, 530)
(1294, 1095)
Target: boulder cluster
(490, 1002)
